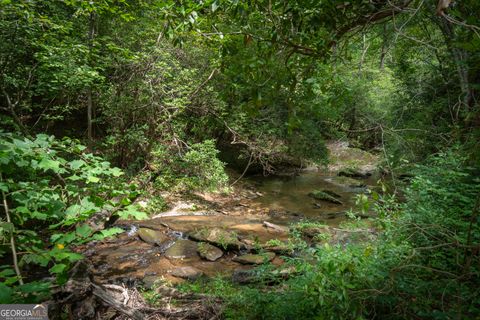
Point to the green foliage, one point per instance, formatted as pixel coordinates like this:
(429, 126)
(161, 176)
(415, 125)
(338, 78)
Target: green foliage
(195, 169)
(413, 269)
(439, 222)
(203, 167)
(276, 79)
(52, 188)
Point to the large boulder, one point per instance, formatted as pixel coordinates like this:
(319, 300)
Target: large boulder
(218, 237)
(182, 249)
(255, 258)
(209, 252)
(152, 236)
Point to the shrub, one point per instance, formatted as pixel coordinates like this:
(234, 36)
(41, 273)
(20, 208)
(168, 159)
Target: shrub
(52, 188)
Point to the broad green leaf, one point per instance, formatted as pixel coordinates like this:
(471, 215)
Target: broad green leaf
(3, 187)
(93, 179)
(7, 273)
(107, 233)
(76, 164)
(132, 211)
(49, 164)
(116, 172)
(5, 293)
(34, 287)
(58, 268)
(84, 231)
(70, 256)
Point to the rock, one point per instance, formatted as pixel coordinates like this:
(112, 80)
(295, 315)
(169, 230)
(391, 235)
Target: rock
(242, 276)
(353, 173)
(209, 252)
(347, 182)
(275, 227)
(182, 249)
(332, 193)
(285, 273)
(255, 258)
(189, 273)
(152, 236)
(314, 231)
(325, 195)
(150, 281)
(279, 249)
(218, 237)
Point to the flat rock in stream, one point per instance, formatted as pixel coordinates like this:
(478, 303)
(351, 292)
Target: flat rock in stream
(182, 249)
(325, 195)
(189, 273)
(209, 252)
(218, 237)
(152, 236)
(254, 258)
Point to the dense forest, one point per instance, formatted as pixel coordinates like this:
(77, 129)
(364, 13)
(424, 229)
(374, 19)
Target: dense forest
(234, 159)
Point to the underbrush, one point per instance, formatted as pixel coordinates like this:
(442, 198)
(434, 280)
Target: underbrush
(424, 264)
(50, 190)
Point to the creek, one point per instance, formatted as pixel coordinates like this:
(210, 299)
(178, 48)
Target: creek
(215, 234)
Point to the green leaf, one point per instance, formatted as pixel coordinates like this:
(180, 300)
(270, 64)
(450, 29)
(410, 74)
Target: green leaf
(58, 268)
(107, 233)
(34, 287)
(5, 293)
(69, 256)
(76, 164)
(132, 211)
(7, 273)
(116, 172)
(3, 187)
(49, 164)
(6, 227)
(84, 231)
(93, 179)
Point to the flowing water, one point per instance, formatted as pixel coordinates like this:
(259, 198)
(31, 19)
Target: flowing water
(246, 213)
(291, 194)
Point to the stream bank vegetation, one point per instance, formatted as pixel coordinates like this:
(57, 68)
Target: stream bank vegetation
(110, 108)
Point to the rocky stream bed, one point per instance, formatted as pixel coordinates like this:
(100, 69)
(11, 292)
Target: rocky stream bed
(213, 234)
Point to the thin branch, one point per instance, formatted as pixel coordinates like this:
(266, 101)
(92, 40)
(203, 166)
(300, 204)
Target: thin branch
(12, 239)
(203, 83)
(245, 170)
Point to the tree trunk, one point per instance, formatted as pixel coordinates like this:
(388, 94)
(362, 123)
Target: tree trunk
(91, 35)
(365, 47)
(383, 53)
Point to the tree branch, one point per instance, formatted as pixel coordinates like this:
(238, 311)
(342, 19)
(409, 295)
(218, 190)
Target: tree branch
(12, 239)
